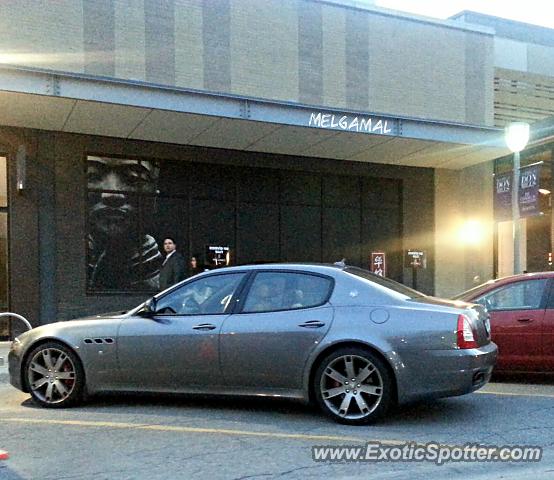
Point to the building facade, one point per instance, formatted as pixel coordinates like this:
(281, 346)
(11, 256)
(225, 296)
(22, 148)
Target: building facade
(523, 91)
(297, 130)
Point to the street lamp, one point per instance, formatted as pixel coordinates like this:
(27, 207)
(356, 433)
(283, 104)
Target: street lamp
(517, 136)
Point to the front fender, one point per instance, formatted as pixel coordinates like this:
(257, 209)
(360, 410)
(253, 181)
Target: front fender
(94, 342)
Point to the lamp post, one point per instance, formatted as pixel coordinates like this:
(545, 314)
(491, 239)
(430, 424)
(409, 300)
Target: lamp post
(516, 135)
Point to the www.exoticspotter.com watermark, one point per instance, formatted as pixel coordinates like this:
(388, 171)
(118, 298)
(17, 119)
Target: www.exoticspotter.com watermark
(429, 452)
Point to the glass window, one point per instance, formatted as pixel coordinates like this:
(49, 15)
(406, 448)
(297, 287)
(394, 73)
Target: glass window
(273, 291)
(526, 295)
(536, 243)
(3, 183)
(4, 322)
(384, 282)
(206, 296)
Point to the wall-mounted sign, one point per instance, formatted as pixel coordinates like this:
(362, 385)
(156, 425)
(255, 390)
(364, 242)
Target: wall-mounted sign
(415, 259)
(503, 197)
(217, 256)
(528, 200)
(378, 263)
(353, 123)
(529, 191)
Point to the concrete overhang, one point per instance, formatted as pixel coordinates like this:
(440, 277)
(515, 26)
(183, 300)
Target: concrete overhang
(75, 103)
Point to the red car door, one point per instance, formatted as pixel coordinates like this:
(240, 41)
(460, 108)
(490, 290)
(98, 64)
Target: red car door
(517, 313)
(548, 333)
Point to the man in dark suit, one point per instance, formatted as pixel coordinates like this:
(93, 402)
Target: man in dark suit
(173, 267)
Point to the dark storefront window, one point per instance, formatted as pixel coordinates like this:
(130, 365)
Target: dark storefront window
(4, 323)
(259, 214)
(536, 229)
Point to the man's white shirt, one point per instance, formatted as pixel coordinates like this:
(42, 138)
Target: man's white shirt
(167, 257)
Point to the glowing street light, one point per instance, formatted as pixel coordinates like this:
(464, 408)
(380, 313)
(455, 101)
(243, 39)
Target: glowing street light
(516, 135)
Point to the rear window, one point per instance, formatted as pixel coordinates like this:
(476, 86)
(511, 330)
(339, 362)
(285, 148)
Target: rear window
(384, 282)
(473, 292)
(274, 291)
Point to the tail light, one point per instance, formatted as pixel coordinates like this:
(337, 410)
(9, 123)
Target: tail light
(465, 336)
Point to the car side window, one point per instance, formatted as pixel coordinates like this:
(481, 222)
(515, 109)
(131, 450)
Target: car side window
(274, 291)
(524, 295)
(206, 296)
(550, 301)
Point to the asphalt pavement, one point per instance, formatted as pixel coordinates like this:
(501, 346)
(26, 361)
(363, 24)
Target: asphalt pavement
(181, 437)
(4, 349)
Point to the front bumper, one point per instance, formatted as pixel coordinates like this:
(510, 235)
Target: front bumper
(14, 369)
(446, 373)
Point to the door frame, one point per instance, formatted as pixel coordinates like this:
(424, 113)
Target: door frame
(6, 210)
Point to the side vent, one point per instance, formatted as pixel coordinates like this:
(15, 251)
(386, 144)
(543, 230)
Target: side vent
(99, 341)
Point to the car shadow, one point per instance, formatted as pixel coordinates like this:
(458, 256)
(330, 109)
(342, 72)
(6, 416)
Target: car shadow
(524, 378)
(451, 411)
(256, 409)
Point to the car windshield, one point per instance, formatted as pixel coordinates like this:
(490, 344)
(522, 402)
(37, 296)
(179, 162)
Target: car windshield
(384, 282)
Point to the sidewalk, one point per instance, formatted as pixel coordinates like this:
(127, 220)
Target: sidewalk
(4, 349)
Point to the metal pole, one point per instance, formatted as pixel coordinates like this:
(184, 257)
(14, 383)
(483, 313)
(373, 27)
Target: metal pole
(515, 215)
(19, 317)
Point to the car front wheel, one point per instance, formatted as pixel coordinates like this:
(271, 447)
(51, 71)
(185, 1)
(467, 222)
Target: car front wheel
(353, 386)
(55, 376)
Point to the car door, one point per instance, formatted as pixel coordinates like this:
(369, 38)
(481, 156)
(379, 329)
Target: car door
(177, 347)
(517, 312)
(548, 332)
(283, 317)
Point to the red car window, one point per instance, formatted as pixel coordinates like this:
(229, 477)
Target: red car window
(524, 295)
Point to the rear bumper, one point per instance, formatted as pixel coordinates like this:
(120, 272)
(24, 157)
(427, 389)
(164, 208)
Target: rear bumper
(446, 373)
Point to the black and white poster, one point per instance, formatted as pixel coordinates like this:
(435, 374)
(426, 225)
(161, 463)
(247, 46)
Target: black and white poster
(122, 253)
(133, 205)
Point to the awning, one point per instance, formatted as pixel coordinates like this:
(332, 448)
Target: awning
(76, 103)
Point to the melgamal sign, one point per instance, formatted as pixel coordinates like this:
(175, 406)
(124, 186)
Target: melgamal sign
(354, 123)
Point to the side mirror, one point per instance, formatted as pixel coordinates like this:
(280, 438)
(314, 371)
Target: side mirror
(150, 306)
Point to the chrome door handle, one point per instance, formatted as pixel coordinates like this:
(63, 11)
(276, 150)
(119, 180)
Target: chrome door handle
(204, 326)
(312, 324)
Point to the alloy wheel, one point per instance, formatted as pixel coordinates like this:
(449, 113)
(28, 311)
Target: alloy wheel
(351, 387)
(51, 375)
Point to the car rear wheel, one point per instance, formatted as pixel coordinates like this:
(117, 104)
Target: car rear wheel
(353, 386)
(55, 376)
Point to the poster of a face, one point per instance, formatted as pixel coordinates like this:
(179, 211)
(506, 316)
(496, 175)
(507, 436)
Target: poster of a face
(121, 253)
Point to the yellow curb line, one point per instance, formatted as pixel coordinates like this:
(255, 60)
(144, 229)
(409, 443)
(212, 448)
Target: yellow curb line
(172, 428)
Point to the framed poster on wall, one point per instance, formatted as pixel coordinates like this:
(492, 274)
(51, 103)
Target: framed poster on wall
(378, 263)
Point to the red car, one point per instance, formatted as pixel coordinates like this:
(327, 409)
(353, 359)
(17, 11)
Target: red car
(521, 310)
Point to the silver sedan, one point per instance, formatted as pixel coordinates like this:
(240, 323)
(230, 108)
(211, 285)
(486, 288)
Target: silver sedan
(350, 341)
